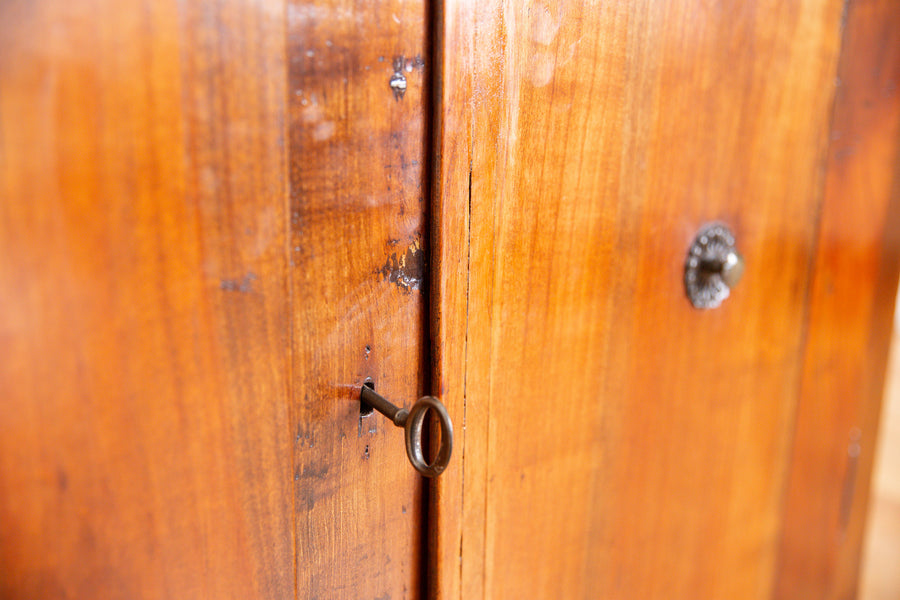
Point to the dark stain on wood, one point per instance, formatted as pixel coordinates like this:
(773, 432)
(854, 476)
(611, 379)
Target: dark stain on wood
(407, 270)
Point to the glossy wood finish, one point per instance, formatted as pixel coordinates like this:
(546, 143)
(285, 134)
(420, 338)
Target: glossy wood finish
(357, 284)
(211, 232)
(450, 288)
(145, 446)
(851, 305)
(618, 443)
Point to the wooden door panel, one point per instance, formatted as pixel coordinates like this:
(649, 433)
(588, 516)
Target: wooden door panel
(619, 443)
(211, 234)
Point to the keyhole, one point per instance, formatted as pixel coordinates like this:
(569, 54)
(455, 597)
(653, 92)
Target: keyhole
(364, 408)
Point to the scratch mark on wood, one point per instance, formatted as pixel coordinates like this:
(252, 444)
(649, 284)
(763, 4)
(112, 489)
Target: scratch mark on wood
(398, 79)
(244, 284)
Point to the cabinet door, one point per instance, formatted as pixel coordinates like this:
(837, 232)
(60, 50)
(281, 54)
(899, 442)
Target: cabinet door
(211, 232)
(619, 443)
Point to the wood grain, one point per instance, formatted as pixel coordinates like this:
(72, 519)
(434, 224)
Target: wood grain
(851, 306)
(212, 233)
(358, 283)
(450, 289)
(145, 447)
(617, 442)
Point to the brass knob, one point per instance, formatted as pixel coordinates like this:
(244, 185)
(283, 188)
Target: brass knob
(712, 267)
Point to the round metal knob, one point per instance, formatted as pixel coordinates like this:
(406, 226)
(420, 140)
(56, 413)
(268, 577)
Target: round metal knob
(712, 267)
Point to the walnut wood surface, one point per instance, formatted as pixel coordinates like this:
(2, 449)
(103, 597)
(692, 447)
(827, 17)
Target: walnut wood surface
(357, 284)
(210, 234)
(850, 316)
(617, 442)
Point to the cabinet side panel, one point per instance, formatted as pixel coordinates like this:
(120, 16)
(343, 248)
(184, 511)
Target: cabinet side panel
(851, 306)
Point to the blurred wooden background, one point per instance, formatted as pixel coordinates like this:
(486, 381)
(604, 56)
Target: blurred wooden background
(880, 578)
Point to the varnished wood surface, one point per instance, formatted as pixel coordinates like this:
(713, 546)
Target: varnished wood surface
(617, 442)
(211, 233)
(850, 317)
(145, 444)
(358, 286)
(450, 290)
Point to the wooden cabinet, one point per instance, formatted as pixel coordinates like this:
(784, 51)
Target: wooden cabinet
(219, 219)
